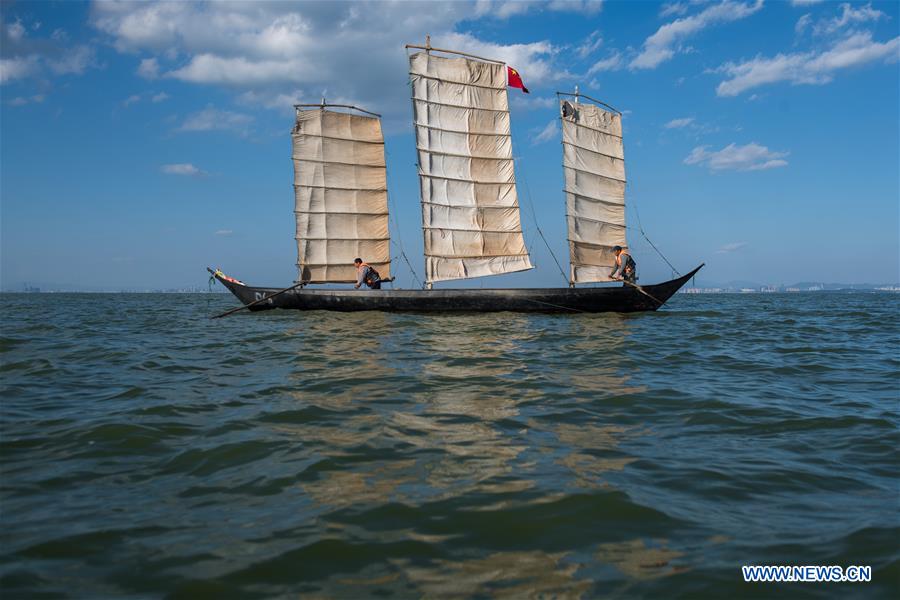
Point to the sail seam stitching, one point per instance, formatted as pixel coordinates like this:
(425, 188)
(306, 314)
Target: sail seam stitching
(328, 187)
(509, 231)
(462, 155)
(470, 207)
(513, 182)
(592, 173)
(475, 256)
(610, 223)
(323, 212)
(593, 151)
(335, 162)
(591, 128)
(461, 132)
(499, 110)
(594, 199)
(353, 239)
(450, 81)
(331, 137)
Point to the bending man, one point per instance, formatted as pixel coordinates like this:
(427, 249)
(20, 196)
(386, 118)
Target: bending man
(366, 275)
(625, 266)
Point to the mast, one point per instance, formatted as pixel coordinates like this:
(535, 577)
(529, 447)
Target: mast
(594, 167)
(340, 189)
(470, 208)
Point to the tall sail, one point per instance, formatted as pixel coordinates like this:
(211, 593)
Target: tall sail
(470, 209)
(594, 165)
(340, 187)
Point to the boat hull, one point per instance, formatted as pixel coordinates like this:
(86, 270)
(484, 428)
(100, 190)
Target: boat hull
(622, 299)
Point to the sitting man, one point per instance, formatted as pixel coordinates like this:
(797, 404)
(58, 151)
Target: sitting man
(625, 265)
(366, 274)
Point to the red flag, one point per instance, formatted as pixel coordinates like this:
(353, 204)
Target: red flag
(515, 80)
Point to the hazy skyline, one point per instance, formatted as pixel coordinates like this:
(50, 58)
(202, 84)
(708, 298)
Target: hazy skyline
(141, 142)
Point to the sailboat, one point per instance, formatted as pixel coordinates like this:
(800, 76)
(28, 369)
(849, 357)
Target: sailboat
(471, 220)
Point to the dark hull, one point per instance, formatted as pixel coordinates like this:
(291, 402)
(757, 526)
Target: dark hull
(545, 300)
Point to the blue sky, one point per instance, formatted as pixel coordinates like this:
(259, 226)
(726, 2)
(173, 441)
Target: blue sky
(140, 142)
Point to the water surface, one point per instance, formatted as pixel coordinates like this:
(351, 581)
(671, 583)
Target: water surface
(148, 451)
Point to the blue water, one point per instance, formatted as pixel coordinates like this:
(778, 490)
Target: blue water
(148, 451)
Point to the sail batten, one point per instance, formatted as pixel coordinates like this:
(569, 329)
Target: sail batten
(340, 189)
(594, 172)
(470, 209)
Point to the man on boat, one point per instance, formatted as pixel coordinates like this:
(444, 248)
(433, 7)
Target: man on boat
(366, 274)
(625, 266)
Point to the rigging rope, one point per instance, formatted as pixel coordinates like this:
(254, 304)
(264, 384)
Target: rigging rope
(399, 242)
(641, 229)
(555, 305)
(537, 226)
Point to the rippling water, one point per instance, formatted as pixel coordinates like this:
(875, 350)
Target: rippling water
(148, 451)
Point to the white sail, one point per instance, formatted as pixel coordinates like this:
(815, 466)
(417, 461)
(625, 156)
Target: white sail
(594, 166)
(470, 210)
(340, 187)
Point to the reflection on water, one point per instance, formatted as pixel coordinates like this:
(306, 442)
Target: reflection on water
(531, 574)
(376, 485)
(591, 450)
(640, 559)
(454, 456)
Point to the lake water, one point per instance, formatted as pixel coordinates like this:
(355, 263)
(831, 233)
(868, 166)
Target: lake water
(148, 451)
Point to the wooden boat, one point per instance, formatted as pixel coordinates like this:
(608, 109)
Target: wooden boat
(470, 211)
(544, 300)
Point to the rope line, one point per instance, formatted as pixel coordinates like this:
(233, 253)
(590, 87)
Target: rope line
(392, 209)
(537, 225)
(555, 305)
(641, 229)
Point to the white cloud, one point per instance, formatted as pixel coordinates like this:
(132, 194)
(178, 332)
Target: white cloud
(732, 247)
(240, 71)
(806, 68)
(849, 16)
(521, 101)
(74, 60)
(131, 99)
(501, 9)
(182, 169)
(805, 2)
(679, 123)
(25, 56)
(662, 45)
(282, 102)
(590, 44)
(673, 8)
(22, 100)
(751, 157)
(504, 9)
(351, 50)
(610, 63)
(17, 68)
(546, 134)
(802, 23)
(531, 60)
(224, 232)
(15, 31)
(160, 97)
(149, 68)
(585, 7)
(213, 119)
